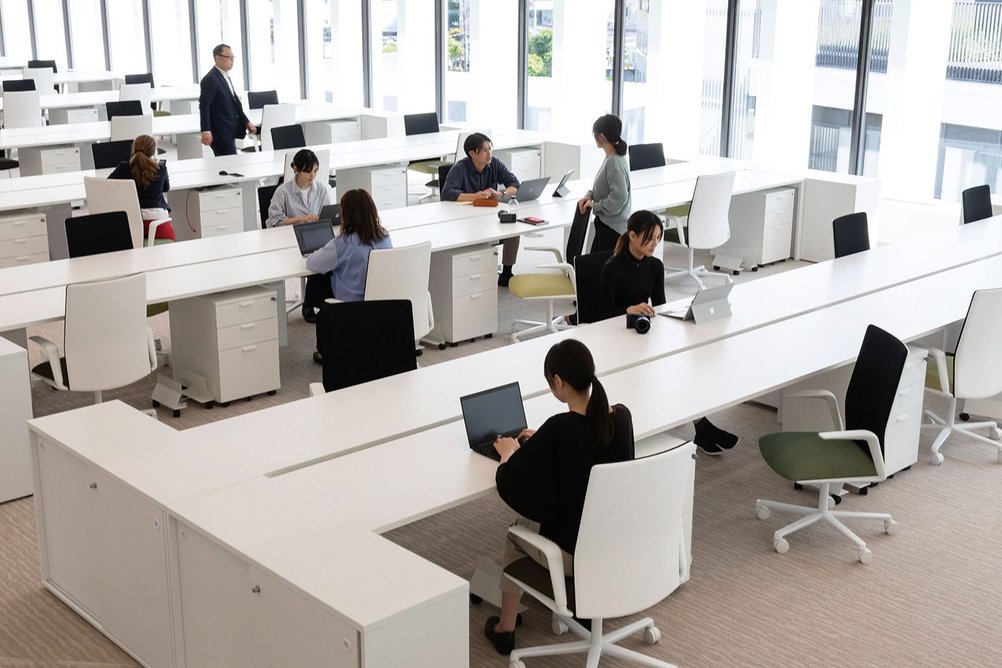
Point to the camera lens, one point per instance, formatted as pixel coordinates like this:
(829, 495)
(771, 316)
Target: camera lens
(642, 324)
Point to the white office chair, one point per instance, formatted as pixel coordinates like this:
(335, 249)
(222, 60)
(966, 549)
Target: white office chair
(629, 556)
(137, 91)
(708, 225)
(275, 116)
(323, 156)
(105, 195)
(22, 109)
(130, 127)
(977, 373)
(403, 273)
(107, 342)
(44, 78)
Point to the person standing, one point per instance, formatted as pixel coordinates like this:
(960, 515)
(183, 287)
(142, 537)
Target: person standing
(609, 198)
(222, 115)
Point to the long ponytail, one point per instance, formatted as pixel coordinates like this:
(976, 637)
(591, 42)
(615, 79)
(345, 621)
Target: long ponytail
(143, 166)
(572, 361)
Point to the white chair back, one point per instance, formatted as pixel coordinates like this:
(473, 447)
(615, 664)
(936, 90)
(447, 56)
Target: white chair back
(630, 549)
(709, 225)
(139, 91)
(22, 109)
(104, 195)
(130, 127)
(460, 153)
(977, 367)
(275, 116)
(44, 78)
(106, 342)
(403, 273)
(323, 155)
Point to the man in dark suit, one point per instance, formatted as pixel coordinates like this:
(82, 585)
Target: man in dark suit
(222, 116)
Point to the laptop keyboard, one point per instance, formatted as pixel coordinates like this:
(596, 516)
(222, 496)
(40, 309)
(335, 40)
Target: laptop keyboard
(487, 450)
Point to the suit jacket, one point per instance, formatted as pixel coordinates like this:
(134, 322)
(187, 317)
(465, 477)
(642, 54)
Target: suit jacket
(221, 113)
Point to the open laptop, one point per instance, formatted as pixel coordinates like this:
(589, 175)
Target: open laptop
(492, 413)
(562, 189)
(332, 212)
(529, 190)
(313, 236)
(708, 304)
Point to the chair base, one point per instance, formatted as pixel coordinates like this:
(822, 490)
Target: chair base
(595, 643)
(555, 325)
(693, 271)
(949, 424)
(823, 511)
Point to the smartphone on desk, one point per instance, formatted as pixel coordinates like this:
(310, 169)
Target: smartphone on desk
(532, 220)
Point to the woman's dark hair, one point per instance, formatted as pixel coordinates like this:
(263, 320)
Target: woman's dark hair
(305, 160)
(474, 142)
(359, 216)
(612, 128)
(572, 361)
(642, 223)
(143, 164)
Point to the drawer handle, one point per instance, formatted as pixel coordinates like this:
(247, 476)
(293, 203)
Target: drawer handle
(475, 296)
(18, 223)
(248, 349)
(474, 258)
(475, 277)
(245, 304)
(23, 258)
(250, 325)
(20, 241)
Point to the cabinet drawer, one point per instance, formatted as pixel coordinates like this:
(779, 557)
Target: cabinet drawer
(24, 246)
(210, 200)
(27, 226)
(60, 167)
(392, 192)
(214, 229)
(475, 282)
(776, 243)
(779, 199)
(55, 158)
(247, 333)
(779, 217)
(907, 397)
(19, 260)
(484, 260)
(260, 306)
(247, 370)
(233, 214)
(475, 314)
(382, 178)
(346, 131)
(914, 370)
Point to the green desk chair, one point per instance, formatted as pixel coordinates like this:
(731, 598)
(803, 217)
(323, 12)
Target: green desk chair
(851, 454)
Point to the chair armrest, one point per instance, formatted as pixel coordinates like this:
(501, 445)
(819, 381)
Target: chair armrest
(939, 357)
(52, 355)
(556, 265)
(554, 563)
(431, 313)
(825, 396)
(316, 389)
(331, 300)
(871, 441)
(677, 223)
(151, 231)
(152, 345)
(547, 249)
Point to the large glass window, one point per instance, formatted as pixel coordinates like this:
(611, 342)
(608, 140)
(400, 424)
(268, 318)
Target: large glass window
(126, 37)
(218, 22)
(273, 47)
(86, 35)
(50, 36)
(403, 55)
(334, 51)
(171, 35)
(17, 41)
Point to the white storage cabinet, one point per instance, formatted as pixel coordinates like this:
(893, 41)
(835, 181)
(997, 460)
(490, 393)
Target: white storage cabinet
(23, 239)
(386, 183)
(464, 293)
(218, 211)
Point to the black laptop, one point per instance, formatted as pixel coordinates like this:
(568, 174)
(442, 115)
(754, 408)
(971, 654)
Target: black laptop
(492, 413)
(313, 236)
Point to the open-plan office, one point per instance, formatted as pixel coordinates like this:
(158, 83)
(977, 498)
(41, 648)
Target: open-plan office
(317, 530)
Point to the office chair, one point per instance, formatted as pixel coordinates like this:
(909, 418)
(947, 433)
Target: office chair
(98, 233)
(141, 92)
(588, 280)
(366, 340)
(35, 64)
(257, 99)
(146, 77)
(975, 372)
(850, 234)
(420, 124)
(323, 166)
(106, 340)
(264, 195)
(22, 109)
(124, 108)
(629, 556)
(44, 78)
(403, 273)
(110, 153)
(977, 203)
(708, 225)
(551, 287)
(120, 195)
(274, 116)
(287, 136)
(18, 85)
(645, 156)
(852, 453)
(130, 127)
(443, 174)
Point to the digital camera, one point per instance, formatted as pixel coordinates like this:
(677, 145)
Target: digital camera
(641, 323)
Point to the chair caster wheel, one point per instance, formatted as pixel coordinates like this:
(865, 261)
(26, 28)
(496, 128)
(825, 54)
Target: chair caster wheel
(754, 268)
(891, 527)
(865, 557)
(475, 600)
(418, 352)
(716, 267)
(518, 619)
(443, 346)
(965, 416)
(516, 664)
(489, 336)
(558, 627)
(176, 413)
(208, 405)
(272, 393)
(797, 486)
(156, 404)
(995, 434)
(736, 272)
(863, 491)
(652, 635)
(831, 502)
(224, 404)
(936, 459)
(781, 546)
(763, 512)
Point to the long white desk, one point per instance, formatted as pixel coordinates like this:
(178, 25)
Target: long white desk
(98, 98)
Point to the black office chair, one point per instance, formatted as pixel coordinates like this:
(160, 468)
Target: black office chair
(288, 136)
(98, 233)
(257, 99)
(645, 156)
(43, 63)
(422, 124)
(850, 234)
(110, 153)
(124, 108)
(443, 173)
(363, 341)
(977, 203)
(264, 195)
(588, 279)
(146, 77)
(18, 85)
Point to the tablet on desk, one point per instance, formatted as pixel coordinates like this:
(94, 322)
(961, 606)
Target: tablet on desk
(708, 304)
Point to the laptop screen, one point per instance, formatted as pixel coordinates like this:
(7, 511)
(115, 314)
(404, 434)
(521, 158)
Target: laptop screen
(313, 236)
(492, 412)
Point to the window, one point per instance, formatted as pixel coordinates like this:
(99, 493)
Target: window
(50, 35)
(273, 47)
(218, 22)
(171, 37)
(17, 41)
(126, 36)
(86, 36)
(403, 55)
(334, 51)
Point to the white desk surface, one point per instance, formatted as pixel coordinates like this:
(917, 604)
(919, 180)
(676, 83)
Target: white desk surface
(97, 98)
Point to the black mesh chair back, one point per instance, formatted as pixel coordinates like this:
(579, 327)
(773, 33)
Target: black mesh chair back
(43, 63)
(576, 236)
(874, 382)
(977, 203)
(98, 233)
(288, 136)
(110, 153)
(363, 341)
(146, 77)
(124, 108)
(420, 124)
(257, 99)
(850, 234)
(18, 85)
(264, 195)
(443, 172)
(645, 156)
(588, 279)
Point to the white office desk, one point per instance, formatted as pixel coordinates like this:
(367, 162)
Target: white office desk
(98, 98)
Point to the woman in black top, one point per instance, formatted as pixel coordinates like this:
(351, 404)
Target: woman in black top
(152, 182)
(632, 282)
(545, 478)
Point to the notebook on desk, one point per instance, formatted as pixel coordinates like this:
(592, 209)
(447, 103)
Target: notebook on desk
(529, 190)
(313, 236)
(708, 304)
(492, 413)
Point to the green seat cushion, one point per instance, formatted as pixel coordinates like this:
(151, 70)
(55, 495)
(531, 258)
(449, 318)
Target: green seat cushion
(932, 373)
(803, 455)
(679, 211)
(527, 571)
(525, 286)
(156, 309)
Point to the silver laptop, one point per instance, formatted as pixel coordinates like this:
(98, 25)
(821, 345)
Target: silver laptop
(529, 190)
(313, 236)
(492, 413)
(708, 304)
(562, 189)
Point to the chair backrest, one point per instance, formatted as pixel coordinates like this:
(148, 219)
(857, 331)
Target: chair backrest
(977, 367)
(323, 157)
(850, 234)
(443, 173)
(34, 64)
(124, 108)
(576, 235)
(709, 225)
(106, 342)
(130, 127)
(402, 273)
(137, 91)
(588, 278)
(874, 382)
(363, 341)
(461, 140)
(977, 203)
(105, 195)
(264, 195)
(98, 233)
(44, 77)
(420, 124)
(274, 116)
(145, 77)
(629, 551)
(645, 156)
(287, 136)
(22, 109)
(257, 99)
(110, 153)
(18, 85)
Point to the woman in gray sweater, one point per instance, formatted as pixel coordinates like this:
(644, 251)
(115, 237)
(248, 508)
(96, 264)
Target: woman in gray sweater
(609, 198)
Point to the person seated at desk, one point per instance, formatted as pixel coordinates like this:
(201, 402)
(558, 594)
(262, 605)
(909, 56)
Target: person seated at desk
(477, 176)
(297, 201)
(346, 256)
(152, 182)
(546, 478)
(633, 283)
